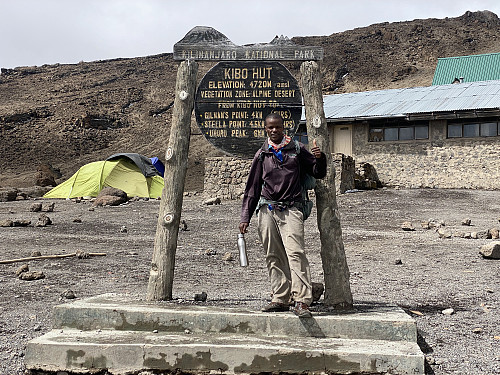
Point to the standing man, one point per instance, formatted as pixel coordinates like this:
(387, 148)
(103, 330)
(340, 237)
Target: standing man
(274, 190)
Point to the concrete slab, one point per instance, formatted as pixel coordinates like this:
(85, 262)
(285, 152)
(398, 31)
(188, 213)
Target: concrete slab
(122, 312)
(126, 351)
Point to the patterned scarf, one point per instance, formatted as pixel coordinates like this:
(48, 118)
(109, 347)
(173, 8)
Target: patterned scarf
(286, 140)
(276, 149)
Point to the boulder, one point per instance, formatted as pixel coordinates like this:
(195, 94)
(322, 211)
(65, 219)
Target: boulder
(36, 207)
(46, 175)
(21, 223)
(31, 275)
(6, 223)
(466, 222)
(444, 233)
(21, 269)
(110, 197)
(8, 194)
(212, 201)
(49, 207)
(407, 226)
(43, 221)
(491, 250)
(494, 233)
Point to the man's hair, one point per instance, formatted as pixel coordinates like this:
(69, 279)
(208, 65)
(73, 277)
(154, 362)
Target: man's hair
(275, 116)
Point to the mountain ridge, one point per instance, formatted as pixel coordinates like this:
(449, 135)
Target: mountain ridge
(71, 114)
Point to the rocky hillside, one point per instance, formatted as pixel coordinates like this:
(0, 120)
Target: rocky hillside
(71, 114)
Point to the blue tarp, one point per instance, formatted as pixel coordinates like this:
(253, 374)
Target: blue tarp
(158, 165)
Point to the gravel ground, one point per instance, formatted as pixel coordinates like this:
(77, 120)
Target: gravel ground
(416, 270)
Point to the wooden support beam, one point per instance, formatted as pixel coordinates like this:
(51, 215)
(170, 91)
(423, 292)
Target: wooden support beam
(161, 275)
(335, 269)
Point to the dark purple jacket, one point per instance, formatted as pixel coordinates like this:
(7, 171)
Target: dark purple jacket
(279, 181)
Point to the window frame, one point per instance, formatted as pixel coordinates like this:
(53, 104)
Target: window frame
(468, 123)
(397, 128)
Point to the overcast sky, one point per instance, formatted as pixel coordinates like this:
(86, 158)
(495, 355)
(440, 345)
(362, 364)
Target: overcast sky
(37, 32)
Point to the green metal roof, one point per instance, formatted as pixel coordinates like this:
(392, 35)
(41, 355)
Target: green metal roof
(471, 68)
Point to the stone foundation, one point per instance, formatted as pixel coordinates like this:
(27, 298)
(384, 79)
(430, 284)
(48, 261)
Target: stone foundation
(226, 177)
(463, 163)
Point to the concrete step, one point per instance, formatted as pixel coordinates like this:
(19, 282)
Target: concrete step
(132, 351)
(119, 312)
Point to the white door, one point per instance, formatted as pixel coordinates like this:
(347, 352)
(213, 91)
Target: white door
(342, 139)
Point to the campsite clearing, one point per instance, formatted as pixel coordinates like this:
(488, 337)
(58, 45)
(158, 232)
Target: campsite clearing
(417, 270)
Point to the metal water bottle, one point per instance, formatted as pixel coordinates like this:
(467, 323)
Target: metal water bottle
(242, 247)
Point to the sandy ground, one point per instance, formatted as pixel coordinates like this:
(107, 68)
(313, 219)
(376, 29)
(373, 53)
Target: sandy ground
(416, 270)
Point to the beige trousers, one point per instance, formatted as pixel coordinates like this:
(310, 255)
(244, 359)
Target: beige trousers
(282, 234)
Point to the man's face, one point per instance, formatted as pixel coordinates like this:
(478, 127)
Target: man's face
(274, 129)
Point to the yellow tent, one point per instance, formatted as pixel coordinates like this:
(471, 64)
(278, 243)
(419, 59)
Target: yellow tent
(121, 173)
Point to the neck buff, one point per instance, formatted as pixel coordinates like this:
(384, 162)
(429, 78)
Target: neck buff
(276, 149)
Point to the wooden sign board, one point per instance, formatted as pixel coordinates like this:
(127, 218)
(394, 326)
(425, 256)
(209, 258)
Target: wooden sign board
(206, 43)
(234, 98)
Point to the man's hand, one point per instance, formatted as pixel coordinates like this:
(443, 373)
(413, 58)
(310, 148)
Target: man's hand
(315, 150)
(243, 227)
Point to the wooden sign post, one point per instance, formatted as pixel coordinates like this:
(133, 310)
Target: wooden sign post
(161, 274)
(232, 102)
(335, 269)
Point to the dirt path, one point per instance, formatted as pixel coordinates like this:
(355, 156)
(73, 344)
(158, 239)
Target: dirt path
(434, 274)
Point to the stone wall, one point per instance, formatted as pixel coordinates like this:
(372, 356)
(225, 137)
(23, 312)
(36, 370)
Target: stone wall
(471, 163)
(225, 177)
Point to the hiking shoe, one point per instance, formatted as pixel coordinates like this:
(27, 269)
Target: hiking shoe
(275, 307)
(302, 310)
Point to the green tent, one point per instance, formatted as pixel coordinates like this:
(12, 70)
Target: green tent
(121, 173)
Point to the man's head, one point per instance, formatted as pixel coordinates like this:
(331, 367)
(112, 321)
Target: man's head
(274, 127)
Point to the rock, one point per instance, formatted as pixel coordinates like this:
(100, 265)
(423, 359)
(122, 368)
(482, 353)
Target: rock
(43, 221)
(82, 254)
(68, 294)
(212, 201)
(467, 235)
(444, 233)
(494, 233)
(449, 311)
(482, 235)
(36, 191)
(32, 275)
(21, 269)
(46, 175)
(425, 225)
(210, 252)
(108, 200)
(183, 226)
(228, 257)
(473, 235)
(398, 262)
(407, 226)
(36, 207)
(35, 253)
(110, 197)
(477, 330)
(123, 229)
(491, 250)
(6, 223)
(317, 291)
(8, 194)
(200, 297)
(20, 197)
(77, 220)
(466, 222)
(49, 207)
(21, 223)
